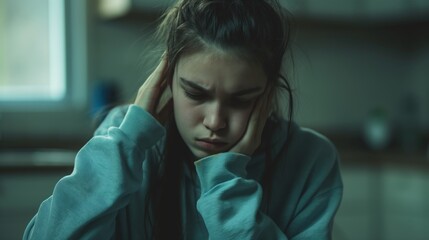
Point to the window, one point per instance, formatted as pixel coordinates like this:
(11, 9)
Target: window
(43, 70)
(32, 51)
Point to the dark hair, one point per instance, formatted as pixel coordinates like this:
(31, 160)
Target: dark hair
(254, 29)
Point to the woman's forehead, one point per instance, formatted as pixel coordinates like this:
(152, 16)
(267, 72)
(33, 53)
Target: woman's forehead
(218, 53)
(213, 67)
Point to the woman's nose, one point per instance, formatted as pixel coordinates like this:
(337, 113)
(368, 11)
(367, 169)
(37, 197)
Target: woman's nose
(214, 119)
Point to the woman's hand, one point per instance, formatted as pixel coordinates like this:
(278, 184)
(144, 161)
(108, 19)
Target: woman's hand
(251, 138)
(155, 95)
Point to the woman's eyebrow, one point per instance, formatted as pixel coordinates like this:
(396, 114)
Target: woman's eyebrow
(193, 85)
(236, 94)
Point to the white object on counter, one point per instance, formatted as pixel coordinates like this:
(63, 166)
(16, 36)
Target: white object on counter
(37, 157)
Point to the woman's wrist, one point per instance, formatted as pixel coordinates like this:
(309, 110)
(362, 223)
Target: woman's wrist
(141, 127)
(221, 167)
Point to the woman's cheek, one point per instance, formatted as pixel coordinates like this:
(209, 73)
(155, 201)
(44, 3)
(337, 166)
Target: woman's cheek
(188, 112)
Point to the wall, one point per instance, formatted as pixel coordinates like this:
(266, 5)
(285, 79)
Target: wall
(349, 70)
(345, 74)
(123, 54)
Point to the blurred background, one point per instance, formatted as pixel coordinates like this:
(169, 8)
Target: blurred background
(360, 75)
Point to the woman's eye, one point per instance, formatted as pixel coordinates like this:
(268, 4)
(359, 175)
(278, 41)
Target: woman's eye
(194, 96)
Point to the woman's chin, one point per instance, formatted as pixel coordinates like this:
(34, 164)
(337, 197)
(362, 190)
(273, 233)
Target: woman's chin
(198, 154)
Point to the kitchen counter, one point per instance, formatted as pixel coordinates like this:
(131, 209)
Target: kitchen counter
(352, 153)
(36, 159)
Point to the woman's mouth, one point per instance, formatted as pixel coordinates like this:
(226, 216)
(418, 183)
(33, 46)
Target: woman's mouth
(210, 144)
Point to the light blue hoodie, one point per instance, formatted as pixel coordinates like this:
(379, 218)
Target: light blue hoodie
(104, 196)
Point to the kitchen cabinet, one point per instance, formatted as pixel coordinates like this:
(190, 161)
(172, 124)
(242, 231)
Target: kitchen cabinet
(110, 9)
(356, 217)
(334, 10)
(358, 10)
(26, 179)
(20, 197)
(405, 194)
(386, 195)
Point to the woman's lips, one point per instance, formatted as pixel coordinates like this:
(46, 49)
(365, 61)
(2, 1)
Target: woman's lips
(210, 145)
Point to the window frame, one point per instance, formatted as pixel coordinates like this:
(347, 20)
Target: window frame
(35, 123)
(70, 46)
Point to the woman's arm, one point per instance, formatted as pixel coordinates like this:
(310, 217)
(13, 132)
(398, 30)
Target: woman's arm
(108, 170)
(230, 204)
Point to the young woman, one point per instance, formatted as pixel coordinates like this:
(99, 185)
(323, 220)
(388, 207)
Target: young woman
(204, 152)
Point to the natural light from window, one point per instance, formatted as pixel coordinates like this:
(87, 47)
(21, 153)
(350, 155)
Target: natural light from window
(32, 50)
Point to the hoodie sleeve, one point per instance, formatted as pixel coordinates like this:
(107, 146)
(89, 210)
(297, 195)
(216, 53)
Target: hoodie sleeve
(229, 203)
(107, 171)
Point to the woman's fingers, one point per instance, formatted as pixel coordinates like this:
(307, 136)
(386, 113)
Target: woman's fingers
(252, 137)
(162, 101)
(150, 92)
(264, 112)
(259, 116)
(155, 77)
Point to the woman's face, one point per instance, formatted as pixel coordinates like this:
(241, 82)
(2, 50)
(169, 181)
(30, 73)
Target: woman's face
(214, 93)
